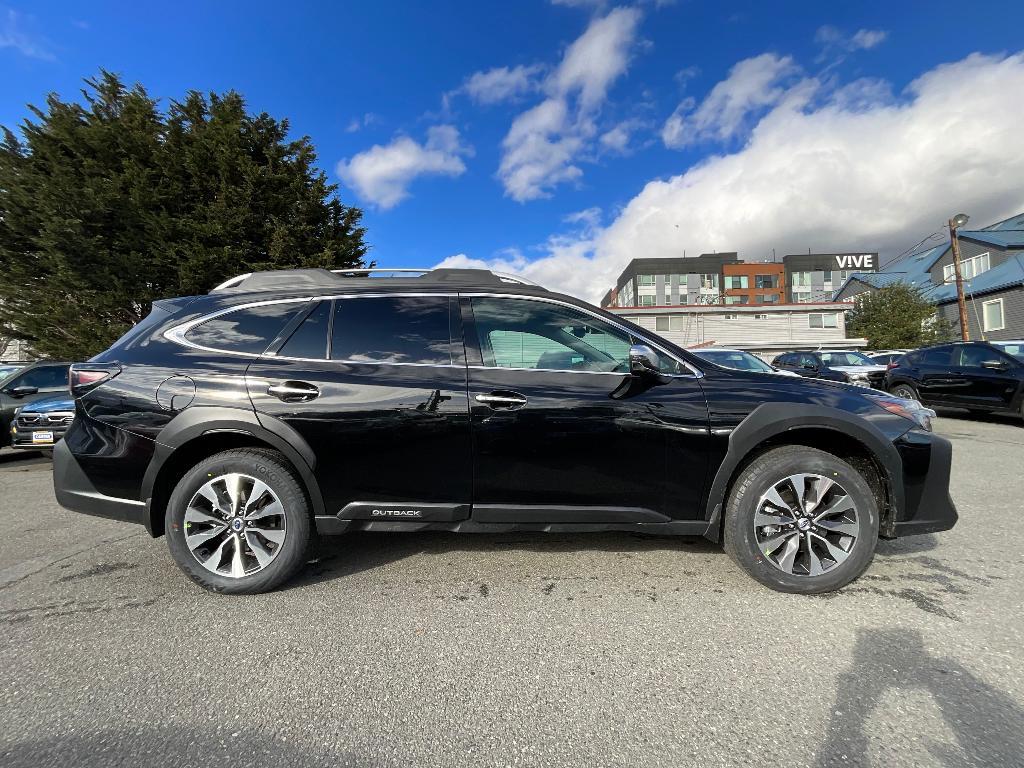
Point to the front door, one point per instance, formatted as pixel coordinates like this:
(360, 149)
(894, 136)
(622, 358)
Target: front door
(562, 432)
(377, 388)
(983, 387)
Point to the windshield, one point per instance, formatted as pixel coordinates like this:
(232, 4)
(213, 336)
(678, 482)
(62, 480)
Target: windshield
(743, 361)
(846, 358)
(1012, 348)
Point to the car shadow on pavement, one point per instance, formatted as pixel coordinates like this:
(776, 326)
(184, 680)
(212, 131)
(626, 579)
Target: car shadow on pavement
(987, 723)
(988, 418)
(177, 747)
(340, 556)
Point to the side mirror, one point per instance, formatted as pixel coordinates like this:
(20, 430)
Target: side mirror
(994, 365)
(21, 391)
(643, 360)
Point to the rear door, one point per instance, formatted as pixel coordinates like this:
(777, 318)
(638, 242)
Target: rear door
(937, 381)
(563, 433)
(376, 385)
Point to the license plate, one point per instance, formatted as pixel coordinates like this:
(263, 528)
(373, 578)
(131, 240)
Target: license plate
(42, 437)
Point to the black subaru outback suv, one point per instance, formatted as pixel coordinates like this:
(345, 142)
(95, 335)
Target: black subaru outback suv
(287, 403)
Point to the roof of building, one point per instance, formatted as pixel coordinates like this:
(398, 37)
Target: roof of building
(1001, 238)
(1014, 222)
(1007, 275)
(913, 269)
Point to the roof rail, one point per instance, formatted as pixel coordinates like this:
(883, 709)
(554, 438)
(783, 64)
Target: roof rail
(311, 277)
(423, 271)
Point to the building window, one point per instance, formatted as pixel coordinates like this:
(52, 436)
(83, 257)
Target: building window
(729, 317)
(823, 320)
(737, 300)
(760, 317)
(661, 323)
(736, 281)
(645, 279)
(677, 322)
(766, 298)
(668, 299)
(709, 281)
(646, 301)
(801, 280)
(766, 281)
(969, 268)
(992, 312)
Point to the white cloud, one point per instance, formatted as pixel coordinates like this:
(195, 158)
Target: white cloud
(501, 83)
(825, 175)
(382, 174)
(865, 39)
(617, 139)
(13, 36)
(541, 147)
(752, 85)
(358, 123)
(833, 40)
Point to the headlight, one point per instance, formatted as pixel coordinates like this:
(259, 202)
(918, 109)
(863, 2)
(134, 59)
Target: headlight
(908, 409)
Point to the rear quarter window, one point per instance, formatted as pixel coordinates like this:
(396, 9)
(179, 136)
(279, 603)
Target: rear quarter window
(250, 330)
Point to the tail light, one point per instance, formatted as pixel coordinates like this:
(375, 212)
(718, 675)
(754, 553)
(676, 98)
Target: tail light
(85, 376)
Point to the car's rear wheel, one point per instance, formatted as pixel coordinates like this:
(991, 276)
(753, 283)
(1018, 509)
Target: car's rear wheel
(801, 520)
(238, 522)
(905, 391)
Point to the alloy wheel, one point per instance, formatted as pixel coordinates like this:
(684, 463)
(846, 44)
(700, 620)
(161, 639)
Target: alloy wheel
(234, 525)
(905, 392)
(806, 525)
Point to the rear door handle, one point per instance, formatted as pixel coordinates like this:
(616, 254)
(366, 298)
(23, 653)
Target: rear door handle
(294, 391)
(502, 400)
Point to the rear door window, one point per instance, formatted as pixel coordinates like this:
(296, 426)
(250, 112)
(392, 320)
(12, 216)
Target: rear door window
(936, 357)
(249, 330)
(392, 329)
(309, 341)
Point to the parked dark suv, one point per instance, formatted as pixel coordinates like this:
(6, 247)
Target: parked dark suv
(284, 403)
(849, 366)
(984, 377)
(23, 387)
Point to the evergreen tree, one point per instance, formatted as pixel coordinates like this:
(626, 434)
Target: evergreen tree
(897, 316)
(109, 204)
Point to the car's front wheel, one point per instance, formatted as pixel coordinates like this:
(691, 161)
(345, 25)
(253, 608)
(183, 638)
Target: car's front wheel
(801, 520)
(238, 522)
(905, 391)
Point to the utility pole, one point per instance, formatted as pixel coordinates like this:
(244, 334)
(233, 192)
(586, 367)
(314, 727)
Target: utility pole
(954, 224)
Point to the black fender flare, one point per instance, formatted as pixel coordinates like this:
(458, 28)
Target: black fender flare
(770, 420)
(197, 421)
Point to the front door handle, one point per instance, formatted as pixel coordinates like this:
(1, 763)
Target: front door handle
(502, 400)
(294, 391)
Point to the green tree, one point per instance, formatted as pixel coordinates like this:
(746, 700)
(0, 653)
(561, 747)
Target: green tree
(897, 316)
(111, 203)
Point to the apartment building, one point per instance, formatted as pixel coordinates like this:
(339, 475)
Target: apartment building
(815, 277)
(672, 281)
(753, 283)
(992, 268)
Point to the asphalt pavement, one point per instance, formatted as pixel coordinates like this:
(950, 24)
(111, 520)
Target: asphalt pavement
(515, 650)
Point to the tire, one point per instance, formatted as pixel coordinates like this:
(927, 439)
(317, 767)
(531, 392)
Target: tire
(906, 391)
(274, 539)
(751, 548)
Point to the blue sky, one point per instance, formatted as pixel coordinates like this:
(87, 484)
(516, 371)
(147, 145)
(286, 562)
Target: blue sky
(592, 132)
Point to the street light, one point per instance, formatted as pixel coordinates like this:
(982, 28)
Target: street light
(954, 224)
